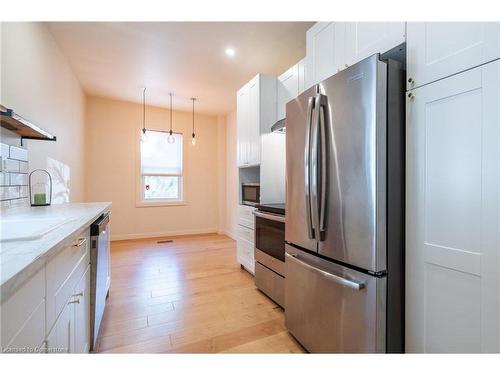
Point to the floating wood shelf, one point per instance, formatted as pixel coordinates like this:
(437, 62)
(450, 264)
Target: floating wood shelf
(26, 130)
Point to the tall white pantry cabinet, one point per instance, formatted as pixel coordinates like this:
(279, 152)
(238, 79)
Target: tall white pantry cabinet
(453, 188)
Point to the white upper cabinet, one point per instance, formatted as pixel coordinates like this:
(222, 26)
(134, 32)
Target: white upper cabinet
(439, 49)
(255, 113)
(363, 39)
(324, 51)
(288, 88)
(301, 68)
(453, 213)
(333, 46)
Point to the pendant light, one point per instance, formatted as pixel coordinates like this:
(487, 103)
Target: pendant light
(171, 138)
(193, 140)
(143, 131)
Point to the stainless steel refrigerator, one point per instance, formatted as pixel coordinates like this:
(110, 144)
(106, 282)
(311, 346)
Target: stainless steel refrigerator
(344, 288)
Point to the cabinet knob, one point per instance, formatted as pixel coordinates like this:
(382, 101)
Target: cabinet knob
(411, 96)
(346, 65)
(411, 80)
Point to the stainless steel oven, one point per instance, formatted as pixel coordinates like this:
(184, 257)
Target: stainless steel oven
(250, 193)
(270, 251)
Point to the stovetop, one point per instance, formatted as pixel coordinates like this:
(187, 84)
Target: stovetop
(275, 208)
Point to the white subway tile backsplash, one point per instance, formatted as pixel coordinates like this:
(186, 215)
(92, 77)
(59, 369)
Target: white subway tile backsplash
(18, 153)
(23, 167)
(14, 169)
(4, 178)
(9, 192)
(10, 165)
(23, 192)
(18, 179)
(4, 150)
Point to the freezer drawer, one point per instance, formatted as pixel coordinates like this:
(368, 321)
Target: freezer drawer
(333, 309)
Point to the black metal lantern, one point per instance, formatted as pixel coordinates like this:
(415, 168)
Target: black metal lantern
(40, 185)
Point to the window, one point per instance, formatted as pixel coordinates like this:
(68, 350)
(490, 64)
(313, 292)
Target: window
(161, 168)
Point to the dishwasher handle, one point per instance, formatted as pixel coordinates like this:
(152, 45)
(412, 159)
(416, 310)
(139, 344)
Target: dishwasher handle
(338, 279)
(99, 225)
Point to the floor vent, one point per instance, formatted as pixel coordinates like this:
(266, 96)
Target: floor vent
(164, 241)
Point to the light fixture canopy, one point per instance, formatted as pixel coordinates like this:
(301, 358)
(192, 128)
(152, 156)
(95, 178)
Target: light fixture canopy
(193, 140)
(230, 51)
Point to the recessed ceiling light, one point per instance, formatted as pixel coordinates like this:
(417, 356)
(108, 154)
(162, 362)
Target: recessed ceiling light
(230, 51)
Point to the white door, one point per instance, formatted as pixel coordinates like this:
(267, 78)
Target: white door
(363, 39)
(62, 337)
(439, 49)
(453, 210)
(288, 88)
(253, 124)
(82, 313)
(242, 113)
(324, 51)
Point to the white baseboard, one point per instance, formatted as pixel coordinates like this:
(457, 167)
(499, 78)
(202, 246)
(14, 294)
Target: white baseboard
(135, 236)
(227, 233)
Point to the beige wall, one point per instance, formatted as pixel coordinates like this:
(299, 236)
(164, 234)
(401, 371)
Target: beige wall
(112, 155)
(231, 176)
(37, 82)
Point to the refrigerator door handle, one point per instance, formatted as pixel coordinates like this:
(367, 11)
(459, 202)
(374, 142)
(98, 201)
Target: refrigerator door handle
(314, 172)
(321, 104)
(307, 168)
(337, 279)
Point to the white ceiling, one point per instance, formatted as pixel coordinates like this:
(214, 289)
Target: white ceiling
(116, 59)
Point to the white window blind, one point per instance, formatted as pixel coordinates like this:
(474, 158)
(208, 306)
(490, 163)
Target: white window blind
(161, 166)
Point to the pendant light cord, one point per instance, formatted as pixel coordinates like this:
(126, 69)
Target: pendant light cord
(144, 111)
(171, 113)
(193, 99)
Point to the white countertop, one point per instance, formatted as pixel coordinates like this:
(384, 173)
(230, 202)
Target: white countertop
(21, 259)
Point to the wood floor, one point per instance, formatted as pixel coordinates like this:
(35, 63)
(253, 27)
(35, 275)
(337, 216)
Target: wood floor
(188, 296)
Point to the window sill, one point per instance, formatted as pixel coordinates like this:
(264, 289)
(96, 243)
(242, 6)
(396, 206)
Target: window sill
(160, 203)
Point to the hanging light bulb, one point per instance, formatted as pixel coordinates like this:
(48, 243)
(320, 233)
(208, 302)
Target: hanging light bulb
(143, 131)
(171, 138)
(193, 140)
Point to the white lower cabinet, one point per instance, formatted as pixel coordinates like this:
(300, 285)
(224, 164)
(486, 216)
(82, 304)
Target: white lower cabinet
(439, 49)
(245, 238)
(453, 214)
(61, 338)
(82, 313)
(50, 312)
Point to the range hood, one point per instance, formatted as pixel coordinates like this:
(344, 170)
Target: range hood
(279, 126)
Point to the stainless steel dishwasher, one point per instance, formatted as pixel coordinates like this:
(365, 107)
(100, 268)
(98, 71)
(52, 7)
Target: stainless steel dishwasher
(100, 274)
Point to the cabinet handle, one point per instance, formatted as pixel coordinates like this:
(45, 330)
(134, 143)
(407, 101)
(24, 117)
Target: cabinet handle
(75, 301)
(78, 295)
(80, 242)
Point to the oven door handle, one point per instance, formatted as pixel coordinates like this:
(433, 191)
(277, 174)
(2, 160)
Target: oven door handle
(279, 218)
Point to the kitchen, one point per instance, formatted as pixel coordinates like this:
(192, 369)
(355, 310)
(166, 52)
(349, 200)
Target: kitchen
(338, 194)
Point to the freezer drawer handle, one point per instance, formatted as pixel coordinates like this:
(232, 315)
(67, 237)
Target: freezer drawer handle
(279, 218)
(339, 280)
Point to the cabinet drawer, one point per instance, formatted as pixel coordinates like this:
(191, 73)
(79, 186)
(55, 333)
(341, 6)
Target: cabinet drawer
(245, 252)
(245, 233)
(63, 273)
(30, 338)
(245, 216)
(20, 307)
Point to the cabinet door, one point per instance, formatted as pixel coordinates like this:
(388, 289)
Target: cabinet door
(253, 124)
(242, 113)
(325, 49)
(301, 71)
(363, 39)
(288, 88)
(62, 337)
(245, 254)
(82, 313)
(453, 210)
(439, 49)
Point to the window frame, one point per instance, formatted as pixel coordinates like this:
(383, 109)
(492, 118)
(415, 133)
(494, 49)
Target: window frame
(140, 199)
